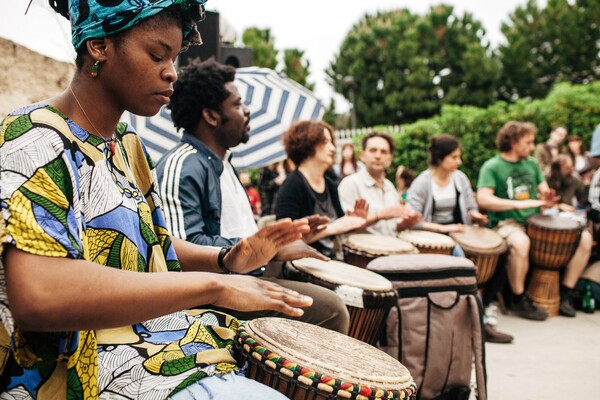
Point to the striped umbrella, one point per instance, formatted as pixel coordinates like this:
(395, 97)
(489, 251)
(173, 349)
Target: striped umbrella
(274, 100)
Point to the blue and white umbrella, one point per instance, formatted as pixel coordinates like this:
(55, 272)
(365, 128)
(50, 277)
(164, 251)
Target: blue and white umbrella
(274, 100)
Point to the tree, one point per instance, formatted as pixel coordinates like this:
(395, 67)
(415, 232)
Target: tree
(296, 67)
(560, 42)
(262, 44)
(405, 67)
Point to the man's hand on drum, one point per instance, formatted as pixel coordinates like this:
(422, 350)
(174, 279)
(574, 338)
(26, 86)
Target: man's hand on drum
(564, 207)
(298, 249)
(257, 250)
(247, 293)
(531, 203)
(478, 218)
(549, 197)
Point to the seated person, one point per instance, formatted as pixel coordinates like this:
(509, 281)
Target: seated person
(385, 211)
(348, 164)
(508, 188)
(582, 160)
(404, 178)
(547, 151)
(86, 255)
(205, 203)
(443, 195)
(308, 190)
(567, 184)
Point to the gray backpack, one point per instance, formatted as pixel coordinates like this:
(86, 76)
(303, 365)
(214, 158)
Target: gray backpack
(435, 329)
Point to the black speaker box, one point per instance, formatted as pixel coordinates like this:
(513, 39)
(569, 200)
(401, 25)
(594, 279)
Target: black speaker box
(209, 30)
(235, 56)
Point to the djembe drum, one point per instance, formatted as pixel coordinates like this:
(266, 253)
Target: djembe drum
(307, 362)
(367, 295)
(361, 248)
(484, 247)
(554, 239)
(428, 242)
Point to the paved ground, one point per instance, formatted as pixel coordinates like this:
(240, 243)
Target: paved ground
(552, 360)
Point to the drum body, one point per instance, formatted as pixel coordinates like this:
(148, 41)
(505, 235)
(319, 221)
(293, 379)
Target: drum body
(428, 242)
(304, 361)
(484, 247)
(362, 248)
(554, 240)
(367, 295)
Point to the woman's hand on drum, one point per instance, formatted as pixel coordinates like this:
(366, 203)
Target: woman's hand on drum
(361, 209)
(317, 224)
(344, 224)
(257, 250)
(449, 228)
(247, 293)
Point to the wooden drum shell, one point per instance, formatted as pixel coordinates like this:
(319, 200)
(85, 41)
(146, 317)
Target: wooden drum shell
(554, 240)
(484, 247)
(364, 321)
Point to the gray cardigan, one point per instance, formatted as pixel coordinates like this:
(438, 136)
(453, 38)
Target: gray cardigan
(420, 198)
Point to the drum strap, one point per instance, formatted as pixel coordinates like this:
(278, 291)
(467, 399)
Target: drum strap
(421, 291)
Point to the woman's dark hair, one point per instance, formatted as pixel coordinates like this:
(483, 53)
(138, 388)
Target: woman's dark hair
(511, 132)
(575, 138)
(209, 78)
(440, 147)
(167, 17)
(352, 159)
(303, 137)
(555, 179)
(406, 174)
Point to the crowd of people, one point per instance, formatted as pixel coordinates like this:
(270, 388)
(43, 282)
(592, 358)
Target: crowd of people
(91, 225)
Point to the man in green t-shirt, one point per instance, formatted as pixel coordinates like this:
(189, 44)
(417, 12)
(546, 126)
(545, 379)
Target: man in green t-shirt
(512, 188)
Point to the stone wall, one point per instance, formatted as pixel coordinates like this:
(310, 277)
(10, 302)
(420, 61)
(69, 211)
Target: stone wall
(27, 77)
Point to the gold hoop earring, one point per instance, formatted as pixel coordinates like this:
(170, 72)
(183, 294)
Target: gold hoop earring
(95, 69)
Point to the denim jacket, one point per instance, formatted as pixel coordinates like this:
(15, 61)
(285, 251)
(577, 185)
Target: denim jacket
(190, 187)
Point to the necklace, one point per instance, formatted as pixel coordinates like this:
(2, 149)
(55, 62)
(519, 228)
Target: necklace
(111, 142)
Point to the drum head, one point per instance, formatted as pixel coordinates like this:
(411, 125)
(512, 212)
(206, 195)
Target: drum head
(479, 239)
(555, 222)
(426, 239)
(378, 245)
(325, 352)
(341, 273)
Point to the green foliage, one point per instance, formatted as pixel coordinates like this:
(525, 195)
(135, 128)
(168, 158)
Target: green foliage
(263, 47)
(405, 66)
(296, 67)
(559, 43)
(575, 106)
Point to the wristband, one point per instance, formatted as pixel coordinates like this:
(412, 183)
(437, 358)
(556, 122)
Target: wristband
(221, 259)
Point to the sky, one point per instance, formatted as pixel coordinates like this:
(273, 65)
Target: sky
(317, 27)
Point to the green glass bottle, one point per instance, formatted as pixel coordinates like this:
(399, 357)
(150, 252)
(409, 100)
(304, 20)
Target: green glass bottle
(589, 303)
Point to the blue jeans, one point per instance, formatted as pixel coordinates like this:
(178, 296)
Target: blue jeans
(227, 387)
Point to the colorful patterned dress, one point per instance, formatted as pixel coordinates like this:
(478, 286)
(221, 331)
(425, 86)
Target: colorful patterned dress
(67, 193)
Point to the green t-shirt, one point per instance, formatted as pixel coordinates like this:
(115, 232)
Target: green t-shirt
(511, 180)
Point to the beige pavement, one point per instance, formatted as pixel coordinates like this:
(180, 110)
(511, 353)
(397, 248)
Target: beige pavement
(551, 360)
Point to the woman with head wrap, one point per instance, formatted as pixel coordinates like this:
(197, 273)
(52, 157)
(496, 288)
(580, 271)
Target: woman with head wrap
(77, 195)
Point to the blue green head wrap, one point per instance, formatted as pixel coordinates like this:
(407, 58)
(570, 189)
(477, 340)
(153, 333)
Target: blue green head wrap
(100, 18)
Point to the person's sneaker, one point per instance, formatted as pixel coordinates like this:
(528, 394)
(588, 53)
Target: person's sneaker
(491, 314)
(494, 336)
(526, 309)
(567, 308)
